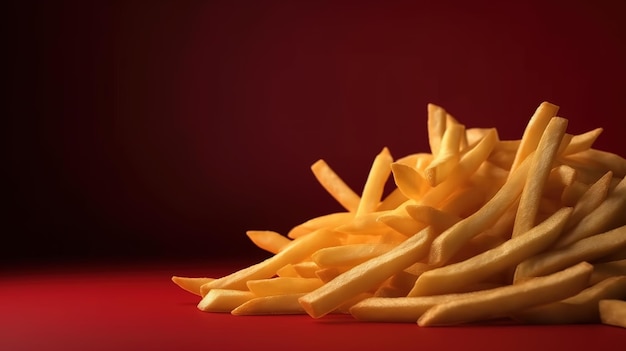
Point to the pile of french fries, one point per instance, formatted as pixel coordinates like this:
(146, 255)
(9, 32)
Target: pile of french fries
(478, 230)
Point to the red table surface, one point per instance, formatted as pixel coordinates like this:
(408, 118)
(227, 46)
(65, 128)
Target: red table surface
(139, 308)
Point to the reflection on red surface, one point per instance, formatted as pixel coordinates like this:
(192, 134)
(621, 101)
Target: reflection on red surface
(139, 308)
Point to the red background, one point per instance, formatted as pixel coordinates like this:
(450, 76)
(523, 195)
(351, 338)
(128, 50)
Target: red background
(164, 130)
(141, 134)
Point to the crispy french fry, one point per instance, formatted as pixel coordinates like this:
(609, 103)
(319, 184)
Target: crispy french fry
(268, 240)
(328, 221)
(295, 252)
(335, 186)
(582, 142)
(270, 305)
(399, 309)
(348, 255)
(375, 183)
(502, 301)
(580, 308)
(282, 286)
(409, 181)
(451, 241)
(587, 249)
(436, 127)
(590, 200)
(451, 278)
(613, 312)
(191, 284)
(538, 173)
(604, 270)
(448, 156)
(365, 275)
(533, 132)
(609, 214)
(306, 269)
(223, 300)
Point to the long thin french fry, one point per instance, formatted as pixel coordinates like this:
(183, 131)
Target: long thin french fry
(366, 275)
(538, 173)
(588, 249)
(268, 240)
(453, 277)
(375, 183)
(451, 241)
(270, 305)
(502, 301)
(532, 133)
(295, 252)
(223, 300)
(335, 186)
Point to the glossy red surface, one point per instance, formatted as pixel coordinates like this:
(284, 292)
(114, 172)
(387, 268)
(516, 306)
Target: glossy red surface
(139, 308)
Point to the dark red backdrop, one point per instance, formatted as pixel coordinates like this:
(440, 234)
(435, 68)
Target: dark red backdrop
(154, 129)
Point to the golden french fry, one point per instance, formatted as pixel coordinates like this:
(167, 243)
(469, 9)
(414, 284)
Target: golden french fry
(436, 127)
(268, 240)
(588, 249)
(328, 221)
(282, 286)
(604, 270)
(375, 183)
(348, 255)
(438, 220)
(448, 156)
(613, 312)
(450, 242)
(600, 160)
(191, 284)
(533, 132)
(392, 201)
(538, 173)
(270, 305)
(397, 309)
(288, 271)
(409, 181)
(294, 252)
(223, 300)
(590, 200)
(502, 301)
(366, 275)
(580, 308)
(335, 186)
(306, 269)
(609, 214)
(453, 277)
(582, 142)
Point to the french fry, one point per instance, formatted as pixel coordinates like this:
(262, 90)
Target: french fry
(538, 173)
(613, 312)
(282, 286)
(499, 302)
(588, 249)
(335, 186)
(375, 183)
(533, 132)
(268, 240)
(295, 252)
(590, 200)
(582, 142)
(452, 277)
(436, 127)
(331, 220)
(365, 275)
(223, 300)
(609, 214)
(448, 156)
(451, 241)
(348, 255)
(604, 270)
(580, 308)
(397, 310)
(191, 284)
(270, 305)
